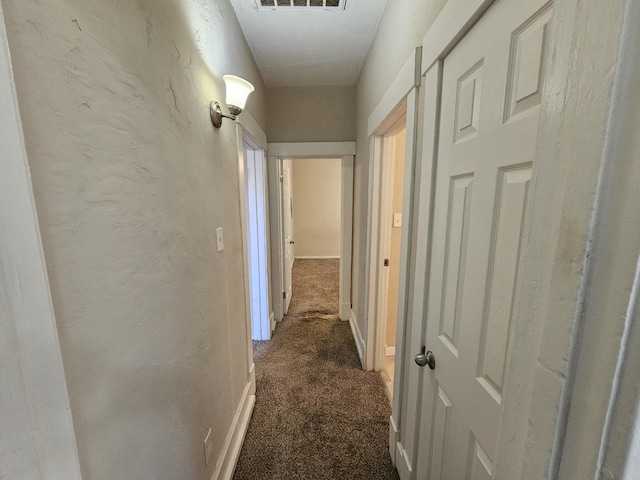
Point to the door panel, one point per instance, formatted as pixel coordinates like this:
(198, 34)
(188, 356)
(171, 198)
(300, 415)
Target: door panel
(287, 215)
(491, 88)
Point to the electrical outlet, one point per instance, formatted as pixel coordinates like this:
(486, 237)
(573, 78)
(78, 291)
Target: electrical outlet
(208, 447)
(219, 239)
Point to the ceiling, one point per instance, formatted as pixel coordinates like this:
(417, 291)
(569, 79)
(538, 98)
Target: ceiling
(309, 46)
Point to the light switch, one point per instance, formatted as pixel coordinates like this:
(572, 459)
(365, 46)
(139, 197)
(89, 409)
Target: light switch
(397, 219)
(219, 239)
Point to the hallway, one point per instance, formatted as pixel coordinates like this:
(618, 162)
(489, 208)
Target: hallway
(317, 414)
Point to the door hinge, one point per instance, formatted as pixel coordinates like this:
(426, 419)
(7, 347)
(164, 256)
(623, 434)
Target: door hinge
(386, 262)
(284, 295)
(281, 178)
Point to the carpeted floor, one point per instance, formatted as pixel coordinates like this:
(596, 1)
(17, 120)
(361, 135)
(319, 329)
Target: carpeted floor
(318, 415)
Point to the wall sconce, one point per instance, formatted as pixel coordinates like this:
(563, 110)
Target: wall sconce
(238, 89)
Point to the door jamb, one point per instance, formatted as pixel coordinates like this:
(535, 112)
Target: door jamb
(345, 150)
(382, 144)
(262, 261)
(247, 127)
(28, 293)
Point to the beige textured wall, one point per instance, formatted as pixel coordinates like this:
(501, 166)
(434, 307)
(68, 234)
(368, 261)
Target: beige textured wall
(394, 251)
(316, 206)
(130, 181)
(402, 28)
(311, 114)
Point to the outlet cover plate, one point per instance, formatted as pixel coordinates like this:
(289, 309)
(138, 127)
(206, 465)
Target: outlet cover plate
(219, 239)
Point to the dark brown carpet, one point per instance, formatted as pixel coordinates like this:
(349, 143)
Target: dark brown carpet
(318, 415)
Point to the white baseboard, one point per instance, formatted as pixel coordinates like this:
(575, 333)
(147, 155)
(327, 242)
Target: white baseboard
(316, 257)
(235, 438)
(344, 312)
(357, 337)
(390, 351)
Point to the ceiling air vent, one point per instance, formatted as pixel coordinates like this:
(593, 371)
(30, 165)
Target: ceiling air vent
(300, 4)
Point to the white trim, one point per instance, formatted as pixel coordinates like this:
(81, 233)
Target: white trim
(346, 234)
(404, 81)
(311, 149)
(316, 257)
(272, 322)
(278, 151)
(390, 351)
(372, 267)
(411, 338)
(257, 239)
(235, 436)
(275, 229)
(454, 21)
(25, 286)
(242, 137)
(357, 337)
(253, 129)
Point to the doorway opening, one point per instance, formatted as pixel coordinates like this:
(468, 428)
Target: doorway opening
(393, 241)
(311, 213)
(283, 206)
(262, 324)
(386, 241)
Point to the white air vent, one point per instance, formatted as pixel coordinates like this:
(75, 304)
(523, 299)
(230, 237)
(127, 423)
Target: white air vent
(300, 4)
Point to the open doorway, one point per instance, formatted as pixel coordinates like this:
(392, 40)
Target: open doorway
(387, 191)
(394, 161)
(311, 220)
(279, 208)
(262, 323)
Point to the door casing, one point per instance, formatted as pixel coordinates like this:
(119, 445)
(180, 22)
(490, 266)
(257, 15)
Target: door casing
(276, 153)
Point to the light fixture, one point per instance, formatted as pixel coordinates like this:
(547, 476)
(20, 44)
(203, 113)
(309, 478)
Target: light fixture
(238, 89)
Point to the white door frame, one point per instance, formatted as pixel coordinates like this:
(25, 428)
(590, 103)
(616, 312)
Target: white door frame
(379, 234)
(24, 286)
(279, 151)
(257, 241)
(246, 126)
(400, 99)
(287, 235)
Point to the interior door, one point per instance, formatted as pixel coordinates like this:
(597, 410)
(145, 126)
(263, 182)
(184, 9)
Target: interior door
(491, 90)
(287, 215)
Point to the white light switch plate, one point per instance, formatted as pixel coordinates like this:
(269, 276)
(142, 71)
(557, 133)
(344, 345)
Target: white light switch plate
(397, 219)
(219, 239)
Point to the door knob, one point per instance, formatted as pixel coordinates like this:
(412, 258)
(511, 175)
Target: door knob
(427, 358)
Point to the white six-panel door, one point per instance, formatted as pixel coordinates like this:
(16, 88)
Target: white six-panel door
(491, 90)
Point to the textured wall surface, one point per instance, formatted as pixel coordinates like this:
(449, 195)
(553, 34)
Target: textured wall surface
(311, 114)
(402, 28)
(131, 180)
(316, 206)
